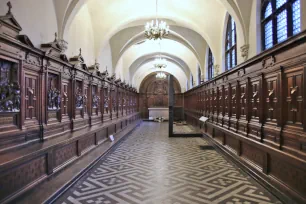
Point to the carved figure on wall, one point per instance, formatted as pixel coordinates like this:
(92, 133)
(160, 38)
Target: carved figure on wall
(9, 97)
(124, 101)
(54, 99)
(106, 101)
(114, 104)
(95, 101)
(79, 99)
(160, 87)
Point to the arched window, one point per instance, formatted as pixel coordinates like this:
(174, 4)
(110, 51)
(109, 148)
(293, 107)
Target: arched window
(230, 45)
(280, 20)
(210, 67)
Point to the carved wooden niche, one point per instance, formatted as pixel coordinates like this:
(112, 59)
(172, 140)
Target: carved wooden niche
(119, 101)
(294, 98)
(10, 95)
(106, 102)
(53, 97)
(66, 92)
(221, 100)
(255, 105)
(271, 92)
(124, 102)
(227, 104)
(79, 99)
(31, 102)
(95, 100)
(206, 103)
(234, 99)
(255, 98)
(243, 101)
(113, 93)
(86, 99)
(215, 101)
(220, 105)
(211, 105)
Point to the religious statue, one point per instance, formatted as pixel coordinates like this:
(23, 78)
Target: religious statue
(79, 99)
(10, 97)
(95, 101)
(54, 99)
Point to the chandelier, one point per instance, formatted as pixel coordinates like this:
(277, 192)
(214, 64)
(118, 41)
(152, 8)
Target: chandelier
(155, 29)
(161, 75)
(160, 63)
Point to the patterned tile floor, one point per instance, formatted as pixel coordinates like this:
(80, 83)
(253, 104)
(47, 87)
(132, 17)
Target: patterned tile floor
(184, 129)
(150, 168)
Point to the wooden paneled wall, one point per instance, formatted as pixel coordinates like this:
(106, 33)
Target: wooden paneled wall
(257, 114)
(53, 109)
(56, 95)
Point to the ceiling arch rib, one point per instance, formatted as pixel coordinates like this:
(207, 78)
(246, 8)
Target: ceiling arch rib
(172, 49)
(147, 69)
(151, 57)
(139, 38)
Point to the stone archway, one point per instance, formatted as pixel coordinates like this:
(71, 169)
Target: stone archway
(154, 93)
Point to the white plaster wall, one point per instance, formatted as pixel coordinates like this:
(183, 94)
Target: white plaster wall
(36, 17)
(255, 29)
(81, 35)
(105, 59)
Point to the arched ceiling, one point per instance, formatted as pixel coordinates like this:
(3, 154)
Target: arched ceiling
(151, 57)
(118, 27)
(183, 56)
(147, 69)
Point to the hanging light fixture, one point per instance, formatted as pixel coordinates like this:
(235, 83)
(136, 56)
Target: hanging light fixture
(161, 75)
(159, 62)
(155, 29)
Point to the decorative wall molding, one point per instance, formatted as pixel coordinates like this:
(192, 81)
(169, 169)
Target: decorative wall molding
(245, 51)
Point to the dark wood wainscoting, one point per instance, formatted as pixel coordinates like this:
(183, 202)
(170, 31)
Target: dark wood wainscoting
(52, 109)
(257, 112)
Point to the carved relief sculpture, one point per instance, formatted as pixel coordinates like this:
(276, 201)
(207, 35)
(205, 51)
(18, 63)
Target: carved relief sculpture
(79, 99)
(54, 99)
(106, 100)
(9, 88)
(9, 97)
(95, 101)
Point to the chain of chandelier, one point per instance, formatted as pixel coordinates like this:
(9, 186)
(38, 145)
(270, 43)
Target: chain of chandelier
(157, 30)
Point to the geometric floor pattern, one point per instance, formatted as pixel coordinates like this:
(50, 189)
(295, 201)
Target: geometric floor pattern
(184, 129)
(150, 168)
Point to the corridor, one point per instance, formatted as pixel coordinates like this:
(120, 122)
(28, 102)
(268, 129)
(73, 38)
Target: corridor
(148, 167)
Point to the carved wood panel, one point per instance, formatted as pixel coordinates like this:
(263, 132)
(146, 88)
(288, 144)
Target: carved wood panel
(17, 178)
(294, 98)
(86, 99)
(255, 98)
(65, 99)
(65, 153)
(271, 93)
(243, 100)
(31, 91)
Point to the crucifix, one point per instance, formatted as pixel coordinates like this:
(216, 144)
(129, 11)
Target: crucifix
(10, 7)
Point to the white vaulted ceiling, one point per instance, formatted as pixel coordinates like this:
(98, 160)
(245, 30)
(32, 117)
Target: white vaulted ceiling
(111, 31)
